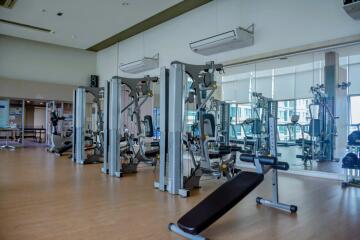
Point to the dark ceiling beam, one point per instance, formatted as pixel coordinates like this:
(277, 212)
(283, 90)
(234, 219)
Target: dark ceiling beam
(159, 18)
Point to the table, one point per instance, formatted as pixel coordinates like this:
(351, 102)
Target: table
(8, 130)
(36, 133)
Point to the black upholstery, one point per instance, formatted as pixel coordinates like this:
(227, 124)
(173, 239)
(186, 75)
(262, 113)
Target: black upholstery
(155, 144)
(64, 148)
(306, 141)
(149, 131)
(152, 152)
(354, 138)
(219, 202)
(314, 128)
(231, 148)
(214, 155)
(211, 120)
(224, 150)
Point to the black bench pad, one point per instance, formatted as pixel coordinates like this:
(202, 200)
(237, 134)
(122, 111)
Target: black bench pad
(219, 202)
(152, 152)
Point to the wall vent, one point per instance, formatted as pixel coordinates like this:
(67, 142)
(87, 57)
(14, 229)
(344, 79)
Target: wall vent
(7, 3)
(352, 7)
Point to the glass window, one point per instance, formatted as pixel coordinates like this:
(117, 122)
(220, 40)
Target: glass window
(190, 119)
(243, 112)
(238, 115)
(302, 110)
(354, 110)
(247, 113)
(285, 111)
(232, 113)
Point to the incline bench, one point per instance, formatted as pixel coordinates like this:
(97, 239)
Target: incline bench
(228, 195)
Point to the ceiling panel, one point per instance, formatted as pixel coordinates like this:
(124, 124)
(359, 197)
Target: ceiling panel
(83, 23)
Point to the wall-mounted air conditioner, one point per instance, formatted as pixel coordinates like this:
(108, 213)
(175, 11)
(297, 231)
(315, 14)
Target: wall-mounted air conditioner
(234, 39)
(145, 64)
(352, 7)
(7, 3)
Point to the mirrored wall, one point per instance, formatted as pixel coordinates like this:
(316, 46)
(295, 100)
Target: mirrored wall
(288, 80)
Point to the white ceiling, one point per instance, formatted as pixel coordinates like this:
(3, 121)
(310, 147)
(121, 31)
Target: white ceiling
(84, 22)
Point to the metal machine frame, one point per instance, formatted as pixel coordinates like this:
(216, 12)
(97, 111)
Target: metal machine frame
(79, 118)
(272, 148)
(262, 165)
(174, 83)
(266, 145)
(113, 121)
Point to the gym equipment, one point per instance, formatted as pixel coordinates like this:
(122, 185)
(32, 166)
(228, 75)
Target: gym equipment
(219, 114)
(351, 161)
(120, 153)
(247, 142)
(291, 129)
(263, 107)
(322, 129)
(216, 205)
(90, 140)
(354, 138)
(231, 192)
(60, 142)
(351, 166)
(148, 126)
(174, 142)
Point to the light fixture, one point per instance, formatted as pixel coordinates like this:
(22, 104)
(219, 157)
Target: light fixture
(28, 101)
(230, 40)
(145, 64)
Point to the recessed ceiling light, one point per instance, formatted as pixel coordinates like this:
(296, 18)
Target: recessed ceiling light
(41, 103)
(125, 3)
(43, 10)
(60, 14)
(28, 101)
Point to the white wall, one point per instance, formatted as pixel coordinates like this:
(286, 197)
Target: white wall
(39, 117)
(10, 88)
(34, 61)
(279, 24)
(106, 62)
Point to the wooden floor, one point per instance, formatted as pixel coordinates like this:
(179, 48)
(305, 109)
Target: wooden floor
(288, 154)
(44, 197)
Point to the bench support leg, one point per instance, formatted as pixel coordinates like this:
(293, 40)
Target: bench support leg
(274, 203)
(174, 228)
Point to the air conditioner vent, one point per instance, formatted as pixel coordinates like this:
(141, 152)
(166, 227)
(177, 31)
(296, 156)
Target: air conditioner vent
(142, 65)
(25, 26)
(7, 3)
(352, 7)
(230, 40)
